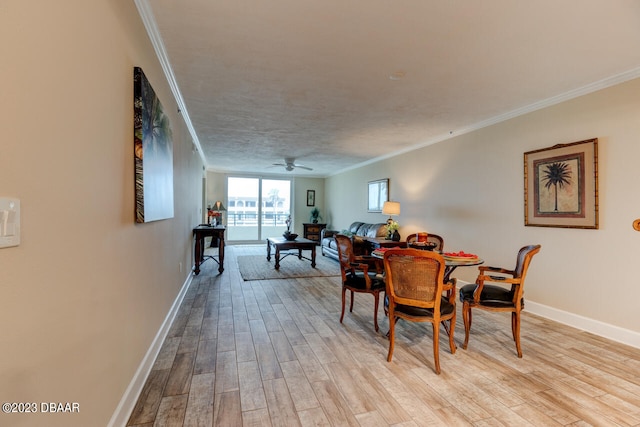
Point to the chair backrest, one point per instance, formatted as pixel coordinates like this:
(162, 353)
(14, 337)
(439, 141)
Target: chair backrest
(423, 236)
(414, 277)
(417, 237)
(525, 254)
(524, 259)
(345, 253)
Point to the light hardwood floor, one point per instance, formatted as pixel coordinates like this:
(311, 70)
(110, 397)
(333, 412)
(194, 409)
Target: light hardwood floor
(273, 353)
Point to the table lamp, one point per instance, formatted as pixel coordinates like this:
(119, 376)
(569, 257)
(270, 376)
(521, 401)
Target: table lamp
(391, 209)
(218, 208)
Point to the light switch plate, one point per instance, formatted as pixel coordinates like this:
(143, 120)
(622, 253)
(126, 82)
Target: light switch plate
(9, 222)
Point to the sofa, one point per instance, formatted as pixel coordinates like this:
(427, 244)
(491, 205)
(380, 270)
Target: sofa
(358, 232)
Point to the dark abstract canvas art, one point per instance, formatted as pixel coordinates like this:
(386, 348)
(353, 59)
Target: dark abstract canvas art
(153, 152)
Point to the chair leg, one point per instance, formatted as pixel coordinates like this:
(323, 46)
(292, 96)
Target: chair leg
(466, 317)
(392, 335)
(344, 296)
(436, 346)
(351, 306)
(515, 325)
(386, 304)
(376, 301)
(452, 328)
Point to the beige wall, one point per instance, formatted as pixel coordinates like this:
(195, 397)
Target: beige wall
(302, 212)
(84, 294)
(470, 190)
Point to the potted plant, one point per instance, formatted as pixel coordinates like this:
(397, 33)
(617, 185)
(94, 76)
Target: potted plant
(392, 231)
(288, 234)
(315, 215)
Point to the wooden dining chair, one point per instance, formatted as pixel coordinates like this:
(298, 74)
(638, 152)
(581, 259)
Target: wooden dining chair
(423, 236)
(415, 289)
(359, 274)
(495, 297)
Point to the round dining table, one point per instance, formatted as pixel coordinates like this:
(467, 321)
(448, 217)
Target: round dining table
(450, 262)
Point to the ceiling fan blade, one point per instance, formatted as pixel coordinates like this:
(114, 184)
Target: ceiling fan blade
(290, 164)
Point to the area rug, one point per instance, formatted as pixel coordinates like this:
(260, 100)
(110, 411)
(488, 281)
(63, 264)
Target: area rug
(256, 267)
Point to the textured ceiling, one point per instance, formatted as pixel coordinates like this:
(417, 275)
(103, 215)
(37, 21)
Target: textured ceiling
(335, 84)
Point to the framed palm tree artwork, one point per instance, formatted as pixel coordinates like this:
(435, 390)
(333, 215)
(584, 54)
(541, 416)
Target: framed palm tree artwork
(561, 186)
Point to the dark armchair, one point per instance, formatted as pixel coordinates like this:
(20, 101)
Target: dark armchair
(498, 297)
(359, 274)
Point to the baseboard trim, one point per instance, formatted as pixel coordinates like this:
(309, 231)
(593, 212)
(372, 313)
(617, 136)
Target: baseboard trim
(130, 397)
(596, 327)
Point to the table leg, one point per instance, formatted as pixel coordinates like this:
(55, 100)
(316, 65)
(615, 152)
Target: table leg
(268, 251)
(299, 253)
(446, 327)
(198, 254)
(447, 273)
(277, 257)
(313, 256)
(221, 254)
(447, 276)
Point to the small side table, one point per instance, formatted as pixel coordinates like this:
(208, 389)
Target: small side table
(200, 232)
(312, 231)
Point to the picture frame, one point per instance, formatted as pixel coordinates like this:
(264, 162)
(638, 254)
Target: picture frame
(311, 197)
(561, 186)
(378, 193)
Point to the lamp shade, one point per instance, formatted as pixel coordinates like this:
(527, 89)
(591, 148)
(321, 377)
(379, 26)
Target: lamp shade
(391, 208)
(218, 206)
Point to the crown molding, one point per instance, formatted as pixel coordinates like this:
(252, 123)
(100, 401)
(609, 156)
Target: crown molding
(554, 100)
(144, 9)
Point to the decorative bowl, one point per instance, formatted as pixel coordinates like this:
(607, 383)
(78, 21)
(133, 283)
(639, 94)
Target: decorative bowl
(427, 246)
(290, 236)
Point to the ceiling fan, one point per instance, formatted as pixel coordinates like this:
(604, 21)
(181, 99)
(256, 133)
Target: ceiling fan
(290, 164)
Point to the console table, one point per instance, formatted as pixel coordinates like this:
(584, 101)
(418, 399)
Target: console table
(200, 232)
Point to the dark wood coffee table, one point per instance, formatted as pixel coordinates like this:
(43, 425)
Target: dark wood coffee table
(282, 244)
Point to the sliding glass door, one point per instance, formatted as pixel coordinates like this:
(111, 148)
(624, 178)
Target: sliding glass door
(276, 203)
(257, 208)
(242, 209)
